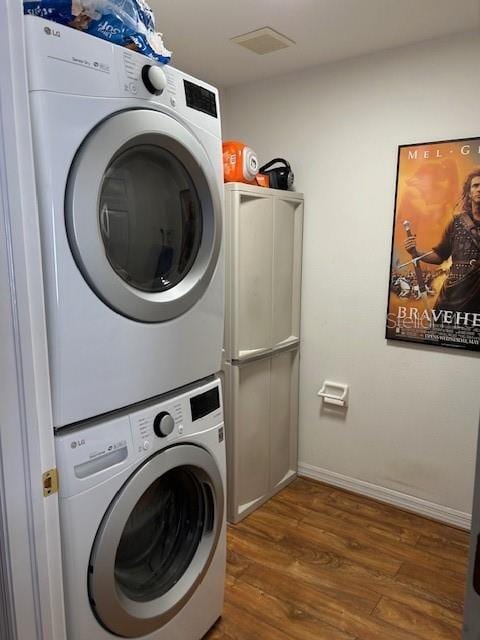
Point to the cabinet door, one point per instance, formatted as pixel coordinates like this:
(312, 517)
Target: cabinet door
(251, 418)
(286, 273)
(251, 321)
(283, 417)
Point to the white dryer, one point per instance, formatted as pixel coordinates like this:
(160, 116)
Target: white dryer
(129, 176)
(142, 515)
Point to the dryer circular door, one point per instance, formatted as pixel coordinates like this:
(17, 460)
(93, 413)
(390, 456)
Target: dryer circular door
(156, 541)
(143, 215)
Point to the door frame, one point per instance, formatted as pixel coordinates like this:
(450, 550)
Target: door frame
(30, 559)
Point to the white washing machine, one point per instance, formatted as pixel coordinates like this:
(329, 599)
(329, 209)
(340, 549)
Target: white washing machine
(142, 514)
(129, 177)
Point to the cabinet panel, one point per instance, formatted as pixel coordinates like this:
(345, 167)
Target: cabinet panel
(252, 441)
(252, 312)
(283, 417)
(286, 272)
(261, 422)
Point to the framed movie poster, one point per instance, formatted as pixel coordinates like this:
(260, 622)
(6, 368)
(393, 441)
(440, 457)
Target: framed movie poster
(434, 289)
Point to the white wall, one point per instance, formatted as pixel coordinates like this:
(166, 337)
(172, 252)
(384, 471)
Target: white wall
(413, 416)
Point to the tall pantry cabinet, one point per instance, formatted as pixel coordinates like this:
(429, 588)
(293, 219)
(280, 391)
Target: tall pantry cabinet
(263, 244)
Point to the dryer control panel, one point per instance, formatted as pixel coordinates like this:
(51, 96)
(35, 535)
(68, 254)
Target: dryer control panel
(64, 60)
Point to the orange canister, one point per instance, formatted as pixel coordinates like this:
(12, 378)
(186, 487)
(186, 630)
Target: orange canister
(240, 163)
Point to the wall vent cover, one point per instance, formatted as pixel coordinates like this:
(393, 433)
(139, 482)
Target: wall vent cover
(263, 41)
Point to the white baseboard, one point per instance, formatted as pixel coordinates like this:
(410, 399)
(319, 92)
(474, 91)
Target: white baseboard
(390, 496)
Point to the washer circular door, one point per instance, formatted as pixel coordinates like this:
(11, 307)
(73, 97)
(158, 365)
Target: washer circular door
(143, 215)
(156, 541)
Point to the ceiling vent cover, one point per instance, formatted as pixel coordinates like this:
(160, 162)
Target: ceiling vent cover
(263, 41)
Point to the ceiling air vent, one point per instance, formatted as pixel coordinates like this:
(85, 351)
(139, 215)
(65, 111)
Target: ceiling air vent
(263, 41)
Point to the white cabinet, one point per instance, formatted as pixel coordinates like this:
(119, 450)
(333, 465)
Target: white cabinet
(261, 419)
(263, 248)
(263, 270)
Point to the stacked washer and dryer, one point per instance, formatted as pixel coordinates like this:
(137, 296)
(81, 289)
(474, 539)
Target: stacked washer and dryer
(128, 163)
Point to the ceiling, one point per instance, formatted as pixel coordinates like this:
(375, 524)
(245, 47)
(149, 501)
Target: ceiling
(199, 32)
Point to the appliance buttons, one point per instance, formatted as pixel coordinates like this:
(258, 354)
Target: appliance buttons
(146, 445)
(163, 424)
(154, 79)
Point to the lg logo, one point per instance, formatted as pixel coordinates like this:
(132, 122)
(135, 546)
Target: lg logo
(52, 32)
(77, 443)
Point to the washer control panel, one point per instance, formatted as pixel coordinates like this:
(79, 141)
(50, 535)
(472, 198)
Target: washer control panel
(99, 448)
(178, 417)
(89, 453)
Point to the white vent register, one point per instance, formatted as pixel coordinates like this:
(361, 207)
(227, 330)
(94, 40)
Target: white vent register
(263, 41)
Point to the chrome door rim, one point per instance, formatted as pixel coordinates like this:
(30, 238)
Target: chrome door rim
(113, 136)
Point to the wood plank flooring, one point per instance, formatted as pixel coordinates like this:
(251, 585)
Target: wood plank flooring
(318, 563)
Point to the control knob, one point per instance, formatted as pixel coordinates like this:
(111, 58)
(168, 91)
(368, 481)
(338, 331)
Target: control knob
(154, 79)
(163, 424)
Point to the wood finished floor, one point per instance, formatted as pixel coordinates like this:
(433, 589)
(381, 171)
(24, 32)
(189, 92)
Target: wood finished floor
(317, 563)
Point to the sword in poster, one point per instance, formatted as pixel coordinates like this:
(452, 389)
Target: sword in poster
(422, 287)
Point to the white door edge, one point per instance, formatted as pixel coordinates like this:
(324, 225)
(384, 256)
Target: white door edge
(29, 524)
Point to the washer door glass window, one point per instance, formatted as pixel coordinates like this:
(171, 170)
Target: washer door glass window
(161, 535)
(143, 215)
(150, 218)
(156, 541)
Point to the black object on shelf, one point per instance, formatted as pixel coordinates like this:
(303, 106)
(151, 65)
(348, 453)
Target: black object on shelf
(279, 177)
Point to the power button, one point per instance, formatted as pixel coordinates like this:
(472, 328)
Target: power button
(146, 445)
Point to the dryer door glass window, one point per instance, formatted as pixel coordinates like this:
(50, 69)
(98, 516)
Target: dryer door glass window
(162, 535)
(150, 218)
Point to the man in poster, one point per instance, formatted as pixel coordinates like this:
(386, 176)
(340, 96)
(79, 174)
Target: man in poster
(461, 242)
(434, 293)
